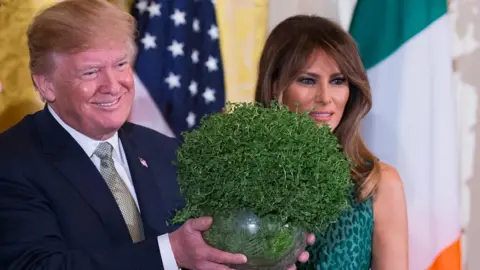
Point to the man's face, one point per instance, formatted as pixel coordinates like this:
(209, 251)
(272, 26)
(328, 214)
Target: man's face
(92, 91)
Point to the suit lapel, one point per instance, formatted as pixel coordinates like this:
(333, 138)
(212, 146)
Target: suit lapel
(148, 192)
(70, 159)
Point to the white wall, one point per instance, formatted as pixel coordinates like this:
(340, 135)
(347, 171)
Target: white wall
(466, 51)
(281, 9)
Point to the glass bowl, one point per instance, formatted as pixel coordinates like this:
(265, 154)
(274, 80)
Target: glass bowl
(268, 244)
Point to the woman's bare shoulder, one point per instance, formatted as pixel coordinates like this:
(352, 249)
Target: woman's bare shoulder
(390, 194)
(390, 243)
(390, 182)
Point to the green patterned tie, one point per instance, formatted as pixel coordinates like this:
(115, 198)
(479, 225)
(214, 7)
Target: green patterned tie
(120, 192)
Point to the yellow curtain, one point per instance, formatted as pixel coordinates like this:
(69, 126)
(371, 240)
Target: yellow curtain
(126, 4)
(18, 97)
(243, 29)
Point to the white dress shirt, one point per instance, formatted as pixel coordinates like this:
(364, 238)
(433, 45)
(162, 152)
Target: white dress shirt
(121, 165)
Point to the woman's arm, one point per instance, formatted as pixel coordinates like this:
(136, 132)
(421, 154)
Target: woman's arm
(390, 234)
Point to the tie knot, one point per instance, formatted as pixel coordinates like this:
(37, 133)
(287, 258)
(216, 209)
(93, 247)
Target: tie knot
(104, 150)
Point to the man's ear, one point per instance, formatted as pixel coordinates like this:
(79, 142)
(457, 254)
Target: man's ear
(45, 87)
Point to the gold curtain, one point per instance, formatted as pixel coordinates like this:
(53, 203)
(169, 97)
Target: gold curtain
(243, 29)
(126, 4)
(18, 97)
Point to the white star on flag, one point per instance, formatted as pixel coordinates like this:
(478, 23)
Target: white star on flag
(176, 48)
(178, 56)
(149, 41)
(142, 6)
(195, 56)
(154, 9)
(191, 119)
(173, 80)
(211, 64)
(178, 17)
(196, 25)
(193, 88)
(213, 32)
(209, 95)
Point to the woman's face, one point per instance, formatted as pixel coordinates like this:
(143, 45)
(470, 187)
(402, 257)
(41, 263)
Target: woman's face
(321, 89)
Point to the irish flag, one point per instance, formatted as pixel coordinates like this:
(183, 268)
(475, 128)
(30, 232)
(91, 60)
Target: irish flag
(405, 46)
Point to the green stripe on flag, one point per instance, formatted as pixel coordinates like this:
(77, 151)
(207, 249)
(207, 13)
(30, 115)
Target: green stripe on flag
(381, 26)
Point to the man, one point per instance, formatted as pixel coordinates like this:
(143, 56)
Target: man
(80, 188)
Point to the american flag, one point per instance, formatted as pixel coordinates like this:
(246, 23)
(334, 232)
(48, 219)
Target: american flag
(179, 60)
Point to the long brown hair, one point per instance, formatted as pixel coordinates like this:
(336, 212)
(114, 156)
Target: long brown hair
(287, 51)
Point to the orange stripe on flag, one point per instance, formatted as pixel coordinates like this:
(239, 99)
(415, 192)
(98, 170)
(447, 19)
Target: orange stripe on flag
(449, 259)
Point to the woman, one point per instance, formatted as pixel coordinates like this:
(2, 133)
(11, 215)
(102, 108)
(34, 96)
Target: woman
(310, 63)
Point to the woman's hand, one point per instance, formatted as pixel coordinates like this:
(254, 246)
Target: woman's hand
(304, 255)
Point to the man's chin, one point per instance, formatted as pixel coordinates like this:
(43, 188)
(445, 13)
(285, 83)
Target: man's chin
(105, 129)
(113, 126)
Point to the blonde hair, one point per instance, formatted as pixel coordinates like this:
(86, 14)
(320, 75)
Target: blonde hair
(286, 52)
(75, 25)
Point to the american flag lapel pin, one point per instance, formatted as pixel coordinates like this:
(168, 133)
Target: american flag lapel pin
(144, 162)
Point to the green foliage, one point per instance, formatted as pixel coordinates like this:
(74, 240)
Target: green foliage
(271, 161)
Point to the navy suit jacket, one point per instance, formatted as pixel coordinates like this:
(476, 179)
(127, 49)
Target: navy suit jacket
(56, 211)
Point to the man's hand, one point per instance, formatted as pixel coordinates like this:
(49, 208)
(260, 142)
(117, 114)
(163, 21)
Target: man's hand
(304, 255)
(191, 251)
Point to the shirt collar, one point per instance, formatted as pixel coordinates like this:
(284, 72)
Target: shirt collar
(88, 144)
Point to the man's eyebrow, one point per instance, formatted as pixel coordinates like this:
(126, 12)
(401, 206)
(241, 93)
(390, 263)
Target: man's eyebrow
(89, 66)
(122, 58)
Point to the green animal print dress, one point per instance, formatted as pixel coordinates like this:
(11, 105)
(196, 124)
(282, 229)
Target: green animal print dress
(347, 244)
